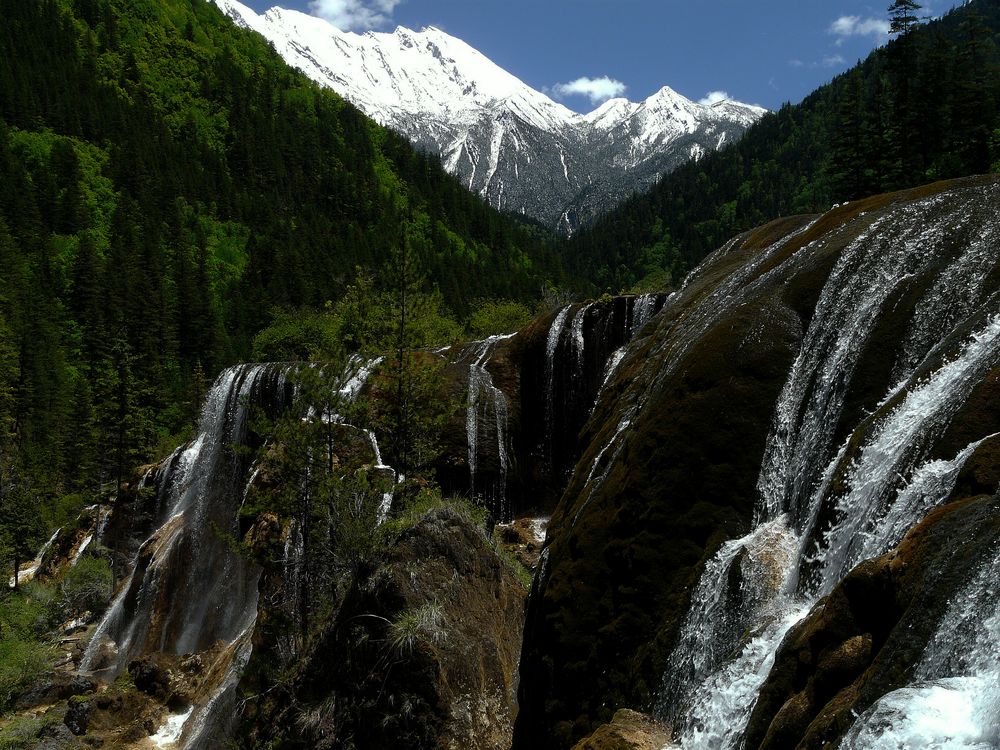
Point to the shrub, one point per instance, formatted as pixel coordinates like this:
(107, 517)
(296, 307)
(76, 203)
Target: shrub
(87, 586)
(23, 660)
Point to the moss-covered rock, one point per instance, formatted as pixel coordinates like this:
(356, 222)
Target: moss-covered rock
(421, 654)
(673, 452)
(628, 730)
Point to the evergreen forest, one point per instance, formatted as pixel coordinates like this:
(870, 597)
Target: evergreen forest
(171, 190)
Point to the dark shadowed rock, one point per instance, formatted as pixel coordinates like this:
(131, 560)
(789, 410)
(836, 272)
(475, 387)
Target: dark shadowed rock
(422, 654)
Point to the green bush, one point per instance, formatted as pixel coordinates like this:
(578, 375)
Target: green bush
(22, 661)
(22, 733)
(497, 316)
(87, 586)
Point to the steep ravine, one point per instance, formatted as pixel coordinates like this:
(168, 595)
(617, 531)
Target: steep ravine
(817, 387)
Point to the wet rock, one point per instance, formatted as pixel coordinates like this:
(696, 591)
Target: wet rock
(77, 716)
(150, 678)
(862, 641)
(627, 542)
(54, 737)
(628, 730)
(61, 688)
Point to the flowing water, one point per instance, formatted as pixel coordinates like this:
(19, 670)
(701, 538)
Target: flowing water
(822, 510)
(188, 591)
(486, 410)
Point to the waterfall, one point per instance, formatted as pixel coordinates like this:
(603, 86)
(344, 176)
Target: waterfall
(820, 510)
(551, 344)
(577, 341)
(27, 573)
(187, 589)
(954, 700)
(639, 312)
(484, 397)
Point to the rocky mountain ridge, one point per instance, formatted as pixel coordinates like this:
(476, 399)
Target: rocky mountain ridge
(513, 145)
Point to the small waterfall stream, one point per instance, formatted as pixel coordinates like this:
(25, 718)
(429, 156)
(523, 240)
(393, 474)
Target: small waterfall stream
(486, 402)
(822, 511)
(954, 700)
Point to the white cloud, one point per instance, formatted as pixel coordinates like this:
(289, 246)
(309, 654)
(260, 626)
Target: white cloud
(714, 97)
(833, 61)
(796, 63)
(848, 26)
(355, 15)
(596, 89)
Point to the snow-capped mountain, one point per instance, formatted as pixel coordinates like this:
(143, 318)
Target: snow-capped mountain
(519, 149)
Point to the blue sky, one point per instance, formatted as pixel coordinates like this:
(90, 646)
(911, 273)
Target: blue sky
(763, 52)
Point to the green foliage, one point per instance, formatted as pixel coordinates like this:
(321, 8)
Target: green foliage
(24, 656)
(491, 317)
(424, 624)
(922, 108)
(21, 662)
(22, 732)
(426, 499)
(514, 565)
(87, 586)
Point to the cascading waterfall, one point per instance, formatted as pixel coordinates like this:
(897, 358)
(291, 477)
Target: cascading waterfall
(640, 311)
(954, 700)
(484, 397)
(577, 341)
(187, 590)
(686, 330)
(755, 589)
(27, 573)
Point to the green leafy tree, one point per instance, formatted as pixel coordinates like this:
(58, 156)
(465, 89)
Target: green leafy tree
(20, 523)
(322, 477)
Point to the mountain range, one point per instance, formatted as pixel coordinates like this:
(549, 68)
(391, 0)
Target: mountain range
(513, 145)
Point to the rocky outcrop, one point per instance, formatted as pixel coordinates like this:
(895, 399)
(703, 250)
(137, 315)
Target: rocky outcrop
(421, 654)
(628, 730)
(708, 420)
(526, 397)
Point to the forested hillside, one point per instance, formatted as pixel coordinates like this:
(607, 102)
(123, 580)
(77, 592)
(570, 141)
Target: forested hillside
(922, 108)
(168, 187)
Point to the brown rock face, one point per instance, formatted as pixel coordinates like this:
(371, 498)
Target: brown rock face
(629, 730)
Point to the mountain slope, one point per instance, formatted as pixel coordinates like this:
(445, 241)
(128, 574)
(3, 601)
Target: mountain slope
(511, 144)
(166, 183)
(921, 108)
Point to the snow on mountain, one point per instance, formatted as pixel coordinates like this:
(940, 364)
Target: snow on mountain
(519, 149)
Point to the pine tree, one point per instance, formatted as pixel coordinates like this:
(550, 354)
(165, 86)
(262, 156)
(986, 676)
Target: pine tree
(903, 16)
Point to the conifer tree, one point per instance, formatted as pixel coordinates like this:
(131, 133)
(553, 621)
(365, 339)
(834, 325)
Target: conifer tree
(903, 16)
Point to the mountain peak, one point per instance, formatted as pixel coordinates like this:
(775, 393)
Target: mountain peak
(509, 142)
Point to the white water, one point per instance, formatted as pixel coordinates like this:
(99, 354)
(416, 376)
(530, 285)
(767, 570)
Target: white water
(551, 343)
(867, 273)
(725, 652)
(577, 341)
(484, 397)
(954, 701)
(27, 573)
(212, 592)
(170, 733)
